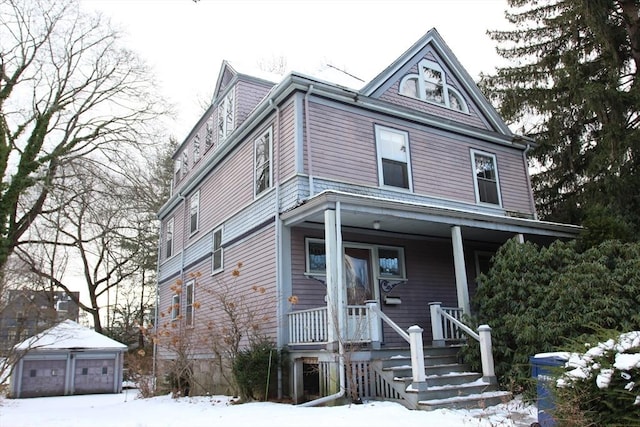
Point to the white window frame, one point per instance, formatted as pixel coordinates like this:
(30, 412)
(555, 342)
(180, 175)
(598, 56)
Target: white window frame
(375, 259)
(185, 161)
(446, 88)
(475, 152)
(169, 238)
(269, 163)
(226, 115)
(190, 293)
(177, 170)
(196, 148)
(219, 249)
(379, 153)
(194, 211)
(175, 307)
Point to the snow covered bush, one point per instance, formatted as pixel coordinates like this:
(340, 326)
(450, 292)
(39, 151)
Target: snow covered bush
(601, 387)
(539, 299)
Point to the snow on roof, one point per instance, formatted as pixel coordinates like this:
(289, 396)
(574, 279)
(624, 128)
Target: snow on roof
(325, 72)
(67, 335)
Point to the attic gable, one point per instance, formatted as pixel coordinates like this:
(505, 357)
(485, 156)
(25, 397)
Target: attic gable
(225, 77)
(428, 77)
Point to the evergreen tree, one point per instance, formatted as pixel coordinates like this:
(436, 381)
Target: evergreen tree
(572, 85)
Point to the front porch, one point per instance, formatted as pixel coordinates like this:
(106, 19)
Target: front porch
(417, 376)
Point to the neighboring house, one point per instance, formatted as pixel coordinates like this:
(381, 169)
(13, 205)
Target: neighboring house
(27, 312)
(67, 359)
(352, 208)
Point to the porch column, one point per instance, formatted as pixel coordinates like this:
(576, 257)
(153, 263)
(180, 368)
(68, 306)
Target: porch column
(520, 237)
(460, 269)
(335, 300)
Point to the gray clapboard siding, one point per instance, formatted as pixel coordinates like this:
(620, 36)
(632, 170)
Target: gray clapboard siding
(253, 215)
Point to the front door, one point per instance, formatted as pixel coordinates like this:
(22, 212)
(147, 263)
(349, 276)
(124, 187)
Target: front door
(358, 280)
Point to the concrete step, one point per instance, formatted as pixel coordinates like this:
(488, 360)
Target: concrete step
(443, 369)
(452, 390)
(479, 400)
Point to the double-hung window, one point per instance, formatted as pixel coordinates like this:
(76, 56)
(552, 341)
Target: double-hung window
(262, 162)
(196, 148)
(194, 212)
(175, 306)
(177, 170)
(394, 162)
(487, 185)
(217, 256)
(189, 291)
(169, 238)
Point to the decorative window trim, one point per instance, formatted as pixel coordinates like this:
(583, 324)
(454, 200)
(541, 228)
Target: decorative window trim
(421, 87)
(169, 238)
(380, 156)
(194, 213)
(316, 274)
(475, 153)
(175, 307)
(217, 248)
(189, 292)
(260, 165)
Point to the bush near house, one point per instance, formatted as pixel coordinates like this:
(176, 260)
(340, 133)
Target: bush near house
(539, 299)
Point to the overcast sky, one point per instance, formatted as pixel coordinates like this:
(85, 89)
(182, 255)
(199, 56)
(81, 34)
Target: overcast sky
(185, 42)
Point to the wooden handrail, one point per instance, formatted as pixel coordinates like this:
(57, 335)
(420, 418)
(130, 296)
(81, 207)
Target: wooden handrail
(389, 322)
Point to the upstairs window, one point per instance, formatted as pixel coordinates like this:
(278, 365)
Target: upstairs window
(169, 238)
(394, 166)
(196, 148)
(208, 135)
(185, 161)
(194, 212)
(430, 84)
(486, 182)
(217, 256)
(226, 116)
(189, 296)
(177, 170)
(262, 162)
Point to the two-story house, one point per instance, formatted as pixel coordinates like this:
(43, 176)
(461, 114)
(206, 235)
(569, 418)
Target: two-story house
(351, 209)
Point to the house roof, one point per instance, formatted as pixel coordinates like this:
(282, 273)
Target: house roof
(69, 335)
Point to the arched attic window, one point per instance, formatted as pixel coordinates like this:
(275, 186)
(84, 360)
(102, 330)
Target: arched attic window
(430, 85)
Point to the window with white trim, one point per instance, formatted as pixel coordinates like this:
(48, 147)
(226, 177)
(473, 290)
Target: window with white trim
(430, 84)
(196, 148)
(175, 306)
(262, 162)
(226, 116)
(208, 135)
(217, 259)
(168, 238)
(486, 183)
(390, 259)
(189, 292)
(394, 163)
(177, 170)
(194, 212)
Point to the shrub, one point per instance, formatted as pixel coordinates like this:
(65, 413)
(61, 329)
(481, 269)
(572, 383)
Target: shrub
(538, 299)
(253, 368)
(601, 386)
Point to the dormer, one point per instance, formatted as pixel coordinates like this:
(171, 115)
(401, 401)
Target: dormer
(236, 94)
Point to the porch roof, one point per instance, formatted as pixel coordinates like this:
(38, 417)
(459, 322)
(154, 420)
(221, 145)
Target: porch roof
(410, 218)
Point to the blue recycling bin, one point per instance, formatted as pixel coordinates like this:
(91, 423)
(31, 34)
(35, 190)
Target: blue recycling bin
(543, 370)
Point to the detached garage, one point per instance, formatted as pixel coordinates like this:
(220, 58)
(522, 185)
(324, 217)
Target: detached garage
(68, 359)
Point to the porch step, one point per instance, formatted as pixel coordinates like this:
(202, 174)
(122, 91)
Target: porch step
(449, 384)
(480, 400)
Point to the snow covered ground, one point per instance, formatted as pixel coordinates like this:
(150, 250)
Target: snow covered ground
(126, 410)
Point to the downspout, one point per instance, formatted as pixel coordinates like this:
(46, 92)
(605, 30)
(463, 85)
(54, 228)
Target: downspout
(308, 140)
(341, 367)
(278, 244)
(526, 170)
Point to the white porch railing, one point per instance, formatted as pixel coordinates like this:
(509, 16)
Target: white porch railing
(445, 320)
(308, 326)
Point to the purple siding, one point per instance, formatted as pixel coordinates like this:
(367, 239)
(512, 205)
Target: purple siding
(344, 149)
(430, 274)
(248, 95)
(286, 141)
